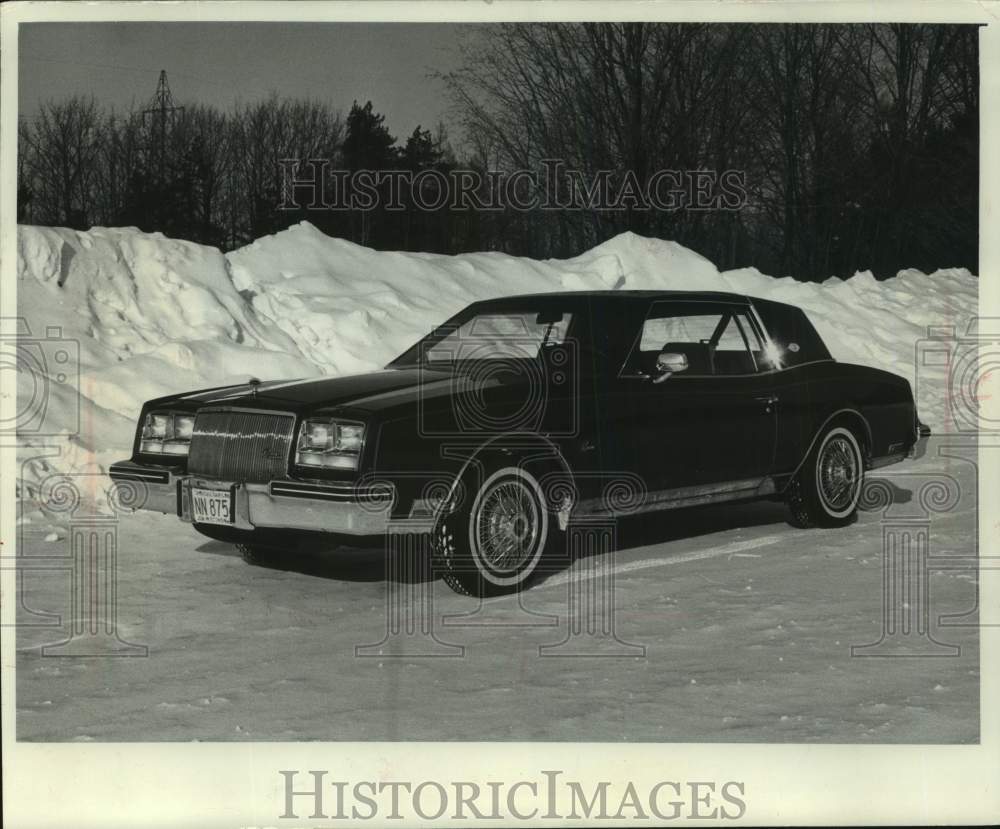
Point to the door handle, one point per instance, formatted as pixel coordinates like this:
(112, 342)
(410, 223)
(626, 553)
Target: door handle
(768, 401)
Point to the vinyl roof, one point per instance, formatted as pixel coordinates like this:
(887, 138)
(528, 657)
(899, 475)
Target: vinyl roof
(564, 297)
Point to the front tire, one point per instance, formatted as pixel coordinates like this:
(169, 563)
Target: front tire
(255, 554)
(826, 490)
(493, 542)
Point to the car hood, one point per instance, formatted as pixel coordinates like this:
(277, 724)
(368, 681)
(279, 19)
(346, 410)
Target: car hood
(372, 391)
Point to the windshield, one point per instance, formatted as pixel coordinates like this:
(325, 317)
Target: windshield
(489, 335)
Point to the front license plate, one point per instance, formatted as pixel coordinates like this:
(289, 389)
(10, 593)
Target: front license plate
(212, 506)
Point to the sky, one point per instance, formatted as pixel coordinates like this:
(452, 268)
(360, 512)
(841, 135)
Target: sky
(219, 63)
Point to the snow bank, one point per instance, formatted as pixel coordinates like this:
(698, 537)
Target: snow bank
(149, 315)
(349, 308)
(154, 315)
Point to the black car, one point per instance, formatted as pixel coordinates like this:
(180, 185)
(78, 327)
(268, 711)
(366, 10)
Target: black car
(522, 414)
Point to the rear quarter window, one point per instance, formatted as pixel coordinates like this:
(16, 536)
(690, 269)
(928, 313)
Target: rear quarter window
(793, 333)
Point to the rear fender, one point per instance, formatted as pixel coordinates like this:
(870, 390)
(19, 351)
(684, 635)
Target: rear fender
(850, 417)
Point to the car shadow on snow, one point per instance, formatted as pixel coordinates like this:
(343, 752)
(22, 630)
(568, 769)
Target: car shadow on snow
(339, 563)
(655, 528)
(373, 564)
(413, 565)
(652, 528)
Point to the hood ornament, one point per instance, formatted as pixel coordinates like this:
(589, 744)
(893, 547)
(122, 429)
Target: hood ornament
(253, 382)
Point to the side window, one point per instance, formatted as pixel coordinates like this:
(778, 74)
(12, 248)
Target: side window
(689, 329)
(738, 338)
(732, 336)
(716, 340)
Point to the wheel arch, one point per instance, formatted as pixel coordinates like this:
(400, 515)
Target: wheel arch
(536, 454)
(849, 417)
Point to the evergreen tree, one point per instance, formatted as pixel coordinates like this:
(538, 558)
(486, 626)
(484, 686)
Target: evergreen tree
(368, 146)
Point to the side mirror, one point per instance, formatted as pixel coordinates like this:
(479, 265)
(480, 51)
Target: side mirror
(669, 362)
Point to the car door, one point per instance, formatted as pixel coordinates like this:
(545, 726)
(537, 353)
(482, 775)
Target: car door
(710, 423)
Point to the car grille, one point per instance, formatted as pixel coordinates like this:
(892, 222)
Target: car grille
(251, 447)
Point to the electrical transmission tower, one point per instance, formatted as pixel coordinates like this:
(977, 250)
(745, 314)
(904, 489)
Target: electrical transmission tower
(161, 109)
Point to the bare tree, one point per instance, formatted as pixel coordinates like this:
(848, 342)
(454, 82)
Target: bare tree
(829, 124)
(806, 141)
(908, 87)
(262, 134)
(62, 148)
(202, 137)
(117, 162)
(626, 98)
(25, 171)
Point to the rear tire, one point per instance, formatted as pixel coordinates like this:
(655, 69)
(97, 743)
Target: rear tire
(826, 490)
(492, 543)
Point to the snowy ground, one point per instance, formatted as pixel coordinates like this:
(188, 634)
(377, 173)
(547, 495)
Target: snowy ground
(747, 626)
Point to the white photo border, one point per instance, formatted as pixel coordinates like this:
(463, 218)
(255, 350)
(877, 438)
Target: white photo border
(237, 784)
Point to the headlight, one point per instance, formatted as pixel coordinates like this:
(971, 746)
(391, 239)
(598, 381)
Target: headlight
(330, 443)
(166, 433)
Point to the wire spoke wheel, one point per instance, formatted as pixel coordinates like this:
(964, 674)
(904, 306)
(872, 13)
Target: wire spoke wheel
(491, 544)
(506, 526)
(838, 474)
(826, 490)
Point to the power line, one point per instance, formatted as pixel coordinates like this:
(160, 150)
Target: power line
(161, 107)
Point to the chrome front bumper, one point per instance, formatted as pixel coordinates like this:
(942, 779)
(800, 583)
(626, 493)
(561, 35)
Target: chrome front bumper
(293, 505)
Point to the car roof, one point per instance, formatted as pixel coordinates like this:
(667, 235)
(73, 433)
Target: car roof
(562, 297)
